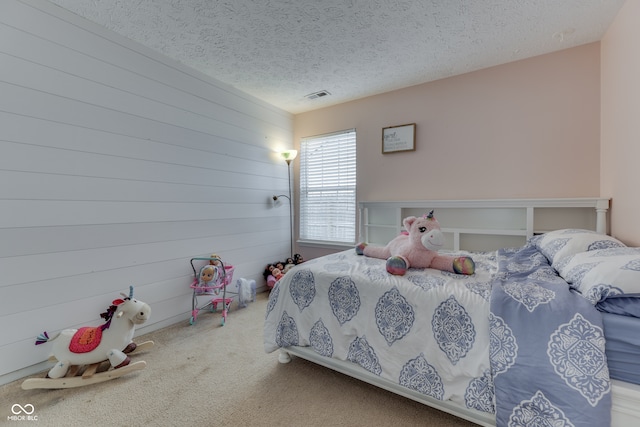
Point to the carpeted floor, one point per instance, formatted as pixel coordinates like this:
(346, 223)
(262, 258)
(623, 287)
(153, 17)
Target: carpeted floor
(213, 375)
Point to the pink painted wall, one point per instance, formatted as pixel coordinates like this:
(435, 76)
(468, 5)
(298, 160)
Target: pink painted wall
(525, 129)
(620, 154)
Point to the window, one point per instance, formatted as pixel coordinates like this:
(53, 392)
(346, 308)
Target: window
(328, 188)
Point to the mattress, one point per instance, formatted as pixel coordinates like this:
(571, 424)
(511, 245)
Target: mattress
(622, 346)
(621, 304)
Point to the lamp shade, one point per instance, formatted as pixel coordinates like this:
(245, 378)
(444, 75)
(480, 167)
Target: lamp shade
(289, 155)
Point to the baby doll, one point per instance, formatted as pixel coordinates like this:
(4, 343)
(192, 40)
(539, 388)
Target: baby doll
(208, 276)
(288, 265)
(267, 271)
(268, 275)
(277, 273)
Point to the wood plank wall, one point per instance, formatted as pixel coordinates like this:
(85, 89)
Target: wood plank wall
(117, 166)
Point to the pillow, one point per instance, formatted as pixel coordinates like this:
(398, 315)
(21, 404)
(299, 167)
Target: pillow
(559, 244)
(603, 273)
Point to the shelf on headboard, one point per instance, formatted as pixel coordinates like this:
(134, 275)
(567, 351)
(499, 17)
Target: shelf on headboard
(484, 224)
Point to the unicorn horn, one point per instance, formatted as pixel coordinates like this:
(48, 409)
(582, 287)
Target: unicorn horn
(130, 291)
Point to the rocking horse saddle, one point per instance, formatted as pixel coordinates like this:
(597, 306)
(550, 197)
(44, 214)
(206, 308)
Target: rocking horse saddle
(86, 339)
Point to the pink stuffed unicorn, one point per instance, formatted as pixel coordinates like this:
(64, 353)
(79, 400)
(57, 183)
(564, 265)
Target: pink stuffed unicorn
(418, 248)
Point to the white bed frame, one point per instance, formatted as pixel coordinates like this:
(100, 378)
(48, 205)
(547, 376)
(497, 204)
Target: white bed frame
(479, 225)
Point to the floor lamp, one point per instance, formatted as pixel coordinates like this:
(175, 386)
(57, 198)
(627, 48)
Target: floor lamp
(288, 156)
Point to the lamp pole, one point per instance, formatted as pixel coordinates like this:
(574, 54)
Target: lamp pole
(288, 156)
(290, 219)
(291, 230)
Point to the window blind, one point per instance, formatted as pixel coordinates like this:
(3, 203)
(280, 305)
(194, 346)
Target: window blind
(328, 187)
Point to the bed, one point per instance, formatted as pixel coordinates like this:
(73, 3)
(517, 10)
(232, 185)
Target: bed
(526, 340)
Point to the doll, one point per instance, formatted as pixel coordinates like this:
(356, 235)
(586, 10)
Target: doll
(207, 278)
(268, 275)
(267, 271)
(288, 265)
(216, 261)
(277, 273)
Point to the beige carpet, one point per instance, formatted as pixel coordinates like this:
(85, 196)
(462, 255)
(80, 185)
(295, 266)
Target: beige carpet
(213, 375)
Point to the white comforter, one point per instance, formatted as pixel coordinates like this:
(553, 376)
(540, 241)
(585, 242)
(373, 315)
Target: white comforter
(426, 330)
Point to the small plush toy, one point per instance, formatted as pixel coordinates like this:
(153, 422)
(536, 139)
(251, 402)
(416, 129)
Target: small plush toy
(246, 291)
(215, 260)
(418, 248)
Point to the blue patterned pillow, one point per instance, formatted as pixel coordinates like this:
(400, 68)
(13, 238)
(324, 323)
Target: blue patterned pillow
(604, 273)
(559, 244)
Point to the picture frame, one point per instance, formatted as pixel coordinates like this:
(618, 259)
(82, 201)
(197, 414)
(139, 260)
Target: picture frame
(399, 138)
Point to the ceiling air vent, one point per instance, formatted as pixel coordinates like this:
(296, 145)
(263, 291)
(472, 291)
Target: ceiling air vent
(319, 94)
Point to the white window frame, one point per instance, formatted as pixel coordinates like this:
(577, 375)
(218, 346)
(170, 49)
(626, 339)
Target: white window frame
(328, 164)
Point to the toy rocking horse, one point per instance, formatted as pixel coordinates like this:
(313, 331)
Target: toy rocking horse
(89, 346)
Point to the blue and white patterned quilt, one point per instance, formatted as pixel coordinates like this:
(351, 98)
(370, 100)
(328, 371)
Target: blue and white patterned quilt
(547, 347)
(442, 334)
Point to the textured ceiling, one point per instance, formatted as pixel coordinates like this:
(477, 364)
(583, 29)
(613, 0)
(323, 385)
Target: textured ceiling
(282, 50)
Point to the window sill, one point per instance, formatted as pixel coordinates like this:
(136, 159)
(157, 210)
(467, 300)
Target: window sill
(325, 245)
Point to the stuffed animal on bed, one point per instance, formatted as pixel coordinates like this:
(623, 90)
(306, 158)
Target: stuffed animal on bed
(417, 247)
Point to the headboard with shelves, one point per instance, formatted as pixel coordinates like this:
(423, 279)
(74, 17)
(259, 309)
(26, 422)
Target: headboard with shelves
(477, 225)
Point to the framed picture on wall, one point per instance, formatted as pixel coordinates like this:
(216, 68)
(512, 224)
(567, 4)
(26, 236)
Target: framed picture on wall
(399, 138)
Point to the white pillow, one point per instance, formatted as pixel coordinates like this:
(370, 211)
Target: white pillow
(559, 244)
(603, 273)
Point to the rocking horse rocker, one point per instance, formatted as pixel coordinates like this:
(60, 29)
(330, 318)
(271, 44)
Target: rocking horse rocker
(80, 352)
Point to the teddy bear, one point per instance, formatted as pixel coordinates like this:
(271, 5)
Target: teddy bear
(417, 247)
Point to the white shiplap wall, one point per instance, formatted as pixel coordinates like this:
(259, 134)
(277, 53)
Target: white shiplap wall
(117, 166)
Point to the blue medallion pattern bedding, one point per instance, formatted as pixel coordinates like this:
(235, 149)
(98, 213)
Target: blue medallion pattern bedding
(547, 347)
(491, 342)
